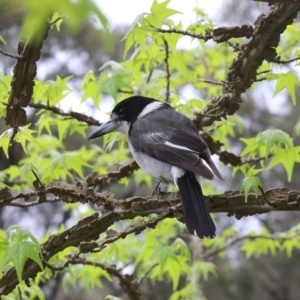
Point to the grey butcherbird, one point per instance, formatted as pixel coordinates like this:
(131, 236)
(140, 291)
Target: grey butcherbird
(167, 146)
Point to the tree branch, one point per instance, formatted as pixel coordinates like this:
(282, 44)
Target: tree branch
(127, 282)
(116, 171)
(16, 56)
(87, 231)
(168, 74)
(219, 35)
(75, 115)
(243, 70)
(235, 240)
(23, 79)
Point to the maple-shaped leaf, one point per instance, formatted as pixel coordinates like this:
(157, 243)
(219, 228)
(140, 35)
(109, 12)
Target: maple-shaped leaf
(287, 81)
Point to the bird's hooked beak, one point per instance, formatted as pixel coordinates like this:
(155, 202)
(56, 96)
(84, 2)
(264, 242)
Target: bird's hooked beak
(107, 127)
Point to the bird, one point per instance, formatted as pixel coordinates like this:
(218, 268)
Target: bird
(167, 145)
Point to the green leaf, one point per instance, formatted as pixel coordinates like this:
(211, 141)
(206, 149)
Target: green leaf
(24, 135)
(113, 66)
(163, 254)
(296, 130)
(112, 84)
(289, 245)
(62, 128)
(19, 233)
(172, 260)
(90, 276)
(44, 122)
(75, 161)
(188, 292)
(90, 88)
(261, 245)
(3, 244)
(51, 92)
(2, 40)
(287, 158)
(135, 33)
(267, 142)
(273, 137)
(206, 268)
(159, 12)
(250, 183)
(4, 140)
(58, 163)
(76, 13)
(26, 170)
(22, 246)
(58, 18)
(249, 247)
(140, 176)
(287, 81)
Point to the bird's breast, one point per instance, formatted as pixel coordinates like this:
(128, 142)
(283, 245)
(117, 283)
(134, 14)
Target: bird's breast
(155, 168)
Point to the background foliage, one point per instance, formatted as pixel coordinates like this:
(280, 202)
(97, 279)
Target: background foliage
(238, 84)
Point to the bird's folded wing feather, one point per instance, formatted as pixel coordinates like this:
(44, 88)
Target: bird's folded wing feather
(180, 149)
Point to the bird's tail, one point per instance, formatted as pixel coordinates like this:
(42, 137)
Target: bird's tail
(197, 217)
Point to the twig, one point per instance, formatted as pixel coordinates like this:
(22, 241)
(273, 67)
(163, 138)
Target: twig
(235, 160)
(127, 283)
(149, 76)
(33, 203)
(117, 171)
(53, 267)
(14, 182)
(135, 228)
(16, 56)
(20, 294)
(75, 115)
(212, 82)
(14, 133)
(146, 274)
(55, 20)
(168, 74)
(235, 240)
(259, 79)
(125, 92)
(263, 72)
(186, 33)
(278, 61)
(265, 197)
(236, 47)
(41, 185)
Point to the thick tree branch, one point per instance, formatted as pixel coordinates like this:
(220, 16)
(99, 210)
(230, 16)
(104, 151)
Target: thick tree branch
(231, 202)
(242, 72)
(23, 79)
(84, 235)
(81, 235)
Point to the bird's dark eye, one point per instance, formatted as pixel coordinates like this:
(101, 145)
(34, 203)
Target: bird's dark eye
(122, 111)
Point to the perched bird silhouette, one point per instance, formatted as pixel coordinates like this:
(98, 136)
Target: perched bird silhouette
(167, 146)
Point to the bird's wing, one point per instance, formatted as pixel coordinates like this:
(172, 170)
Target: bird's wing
(178, 147)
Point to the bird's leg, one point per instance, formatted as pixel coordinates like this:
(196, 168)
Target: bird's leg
(156, 190)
